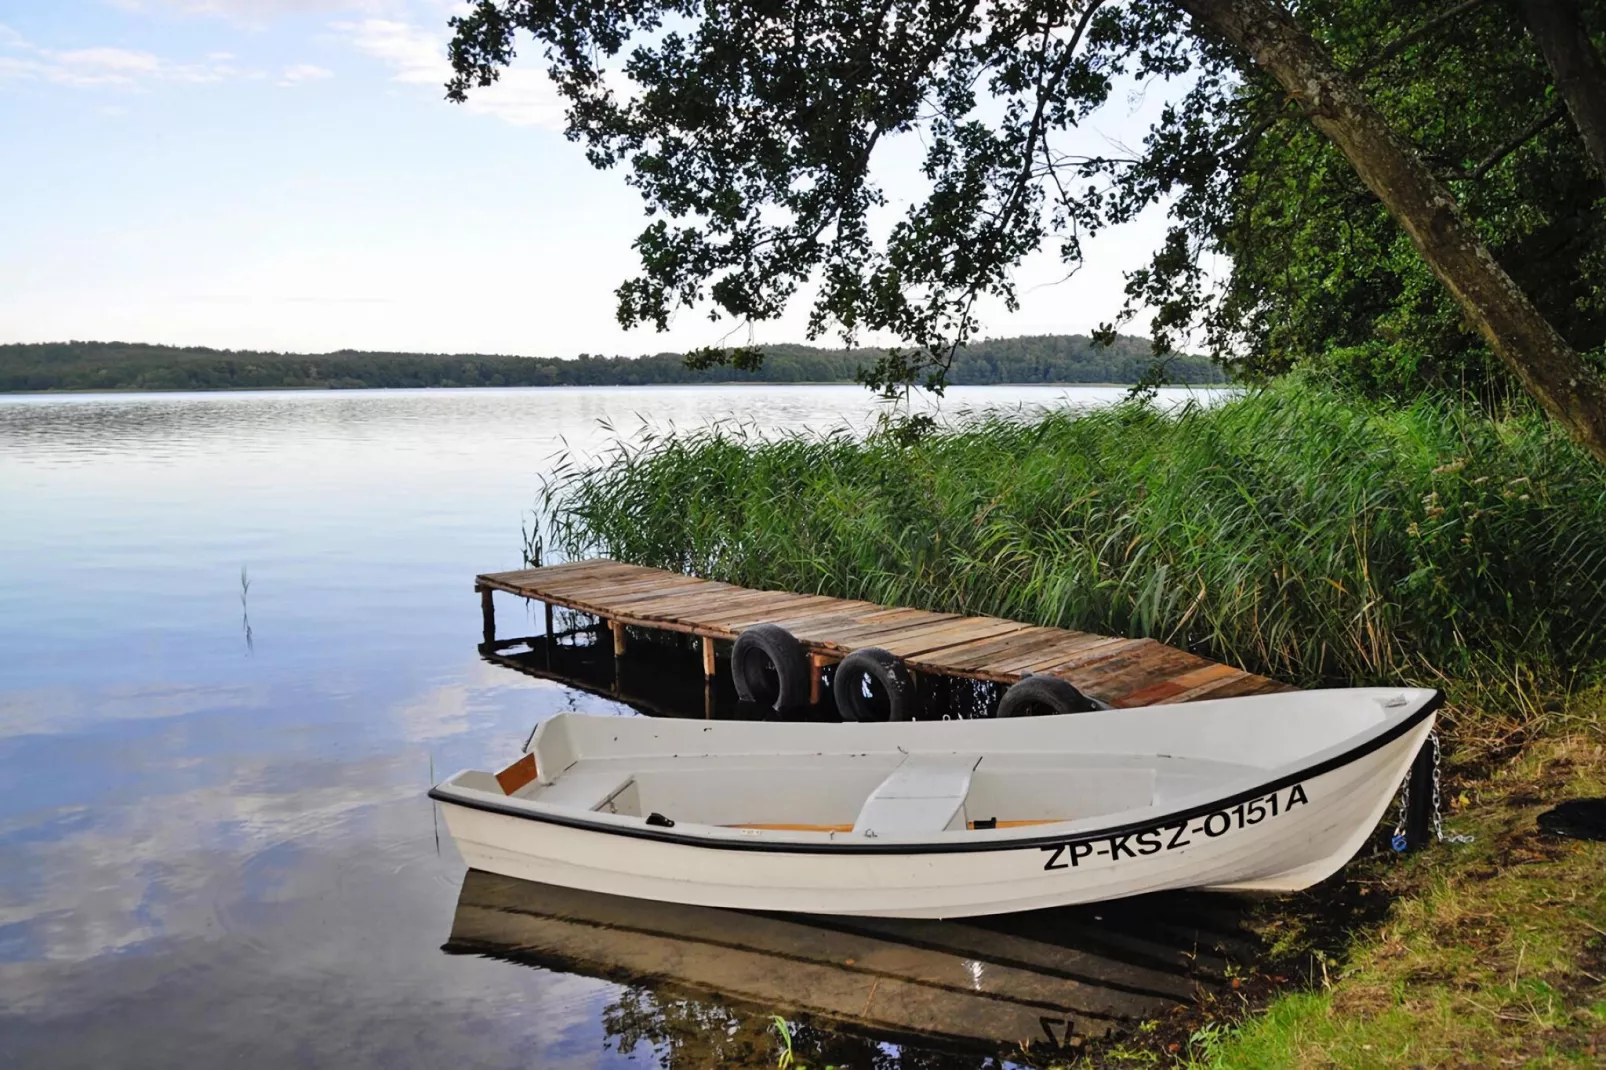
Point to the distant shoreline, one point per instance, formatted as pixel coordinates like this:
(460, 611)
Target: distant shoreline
(559, 386)
(132, 367)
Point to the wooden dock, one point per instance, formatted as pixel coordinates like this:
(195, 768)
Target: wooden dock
(1121, 672)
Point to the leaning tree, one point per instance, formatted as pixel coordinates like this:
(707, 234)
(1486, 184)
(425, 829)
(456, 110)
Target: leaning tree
(750, 128)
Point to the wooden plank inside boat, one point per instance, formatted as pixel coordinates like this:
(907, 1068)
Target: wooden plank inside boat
(1121, 672)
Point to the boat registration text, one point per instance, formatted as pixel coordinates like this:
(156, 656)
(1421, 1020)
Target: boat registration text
(1177, 834)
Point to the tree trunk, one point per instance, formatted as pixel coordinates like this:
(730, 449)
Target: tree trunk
(1558, 30)
(1540, 358)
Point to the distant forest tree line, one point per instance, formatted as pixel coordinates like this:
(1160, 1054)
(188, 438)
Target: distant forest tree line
(132, 366)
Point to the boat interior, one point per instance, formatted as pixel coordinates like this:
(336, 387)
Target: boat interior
(929, 778)
(873, 794)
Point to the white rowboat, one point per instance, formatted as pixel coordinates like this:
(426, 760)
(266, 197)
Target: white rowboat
(942, 819)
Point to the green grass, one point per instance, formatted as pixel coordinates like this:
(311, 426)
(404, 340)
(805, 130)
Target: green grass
(1492, 954)
(1292, 532)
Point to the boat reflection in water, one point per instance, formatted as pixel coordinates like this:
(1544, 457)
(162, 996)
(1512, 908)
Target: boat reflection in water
(705, 978)
(698, 984)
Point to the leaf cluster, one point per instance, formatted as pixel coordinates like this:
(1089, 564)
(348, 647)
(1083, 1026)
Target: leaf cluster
(749, 129)
(1322, 277)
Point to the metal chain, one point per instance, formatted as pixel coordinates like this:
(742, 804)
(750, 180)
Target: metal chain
(1399, 840)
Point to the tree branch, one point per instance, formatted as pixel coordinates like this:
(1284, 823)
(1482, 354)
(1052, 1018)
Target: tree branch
(1511, 145)
(1568, 388)
(1406, 40)
(1047, 85)
(1557, 27)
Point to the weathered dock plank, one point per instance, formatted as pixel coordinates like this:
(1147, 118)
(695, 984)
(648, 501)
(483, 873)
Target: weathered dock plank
(1122, 672)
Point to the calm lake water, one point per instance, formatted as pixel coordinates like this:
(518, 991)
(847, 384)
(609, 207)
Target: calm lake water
(237, 640)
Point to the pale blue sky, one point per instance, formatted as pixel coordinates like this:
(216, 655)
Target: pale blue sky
(284, 174)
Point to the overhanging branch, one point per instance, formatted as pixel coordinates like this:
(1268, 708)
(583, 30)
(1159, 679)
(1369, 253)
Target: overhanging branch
(1406, 40)
(1511, 145)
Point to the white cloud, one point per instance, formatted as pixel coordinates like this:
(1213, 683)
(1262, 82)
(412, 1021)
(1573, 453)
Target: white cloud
(10, 38)
(50, 711)
(304, 72)
(98, 67)
(249, 10)
(17, 68)
(105, 873)
(523, 96)
(416, 55)
(110, 60)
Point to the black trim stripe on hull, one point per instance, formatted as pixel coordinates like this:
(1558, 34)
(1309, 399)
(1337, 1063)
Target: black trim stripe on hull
(649, 832)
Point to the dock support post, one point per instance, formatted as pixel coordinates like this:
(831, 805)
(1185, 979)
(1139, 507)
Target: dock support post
(488, 614)
(708, 658)
(1419, 805)
(817, 664)
(618, 629)
(550, 639)
(708, 698)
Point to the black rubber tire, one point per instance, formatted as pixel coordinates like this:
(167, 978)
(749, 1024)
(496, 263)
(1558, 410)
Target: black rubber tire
(770, 667)
(888, 676)
(1040, 696)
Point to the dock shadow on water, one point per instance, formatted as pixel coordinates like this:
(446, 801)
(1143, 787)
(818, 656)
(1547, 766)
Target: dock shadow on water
(699, 986)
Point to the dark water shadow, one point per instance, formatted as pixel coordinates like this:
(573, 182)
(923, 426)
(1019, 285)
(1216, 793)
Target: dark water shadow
(699, 984)
(661, 676)
(703, 982)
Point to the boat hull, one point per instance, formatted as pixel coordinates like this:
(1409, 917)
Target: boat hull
(1284, 836)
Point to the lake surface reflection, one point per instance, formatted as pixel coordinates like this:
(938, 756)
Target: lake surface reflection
(238, 641)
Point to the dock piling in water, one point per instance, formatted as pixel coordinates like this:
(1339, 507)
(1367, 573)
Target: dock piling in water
(487, 612)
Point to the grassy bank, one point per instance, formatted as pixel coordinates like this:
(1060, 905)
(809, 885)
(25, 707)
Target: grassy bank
(1292, 532)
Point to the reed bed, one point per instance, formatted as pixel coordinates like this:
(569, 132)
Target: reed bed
(1291, 531)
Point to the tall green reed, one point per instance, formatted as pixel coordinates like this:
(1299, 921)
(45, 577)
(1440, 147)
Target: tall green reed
(1292, 531)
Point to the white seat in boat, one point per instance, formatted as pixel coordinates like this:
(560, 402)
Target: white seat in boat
(580, 790)
(925, 793)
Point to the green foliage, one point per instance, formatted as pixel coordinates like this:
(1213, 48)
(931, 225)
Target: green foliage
(1294, 531)
(669, 1026)
(121, 366)
(788, 1059)
(749, 130)
(1323, 277)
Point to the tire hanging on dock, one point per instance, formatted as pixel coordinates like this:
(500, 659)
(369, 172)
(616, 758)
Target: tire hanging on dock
(1038, 696)
(770, 667)
(873, 685)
